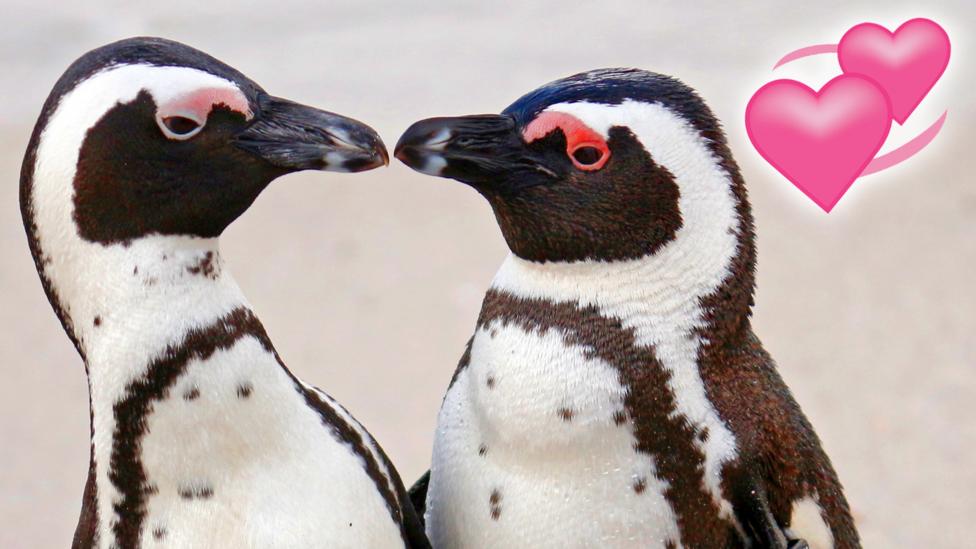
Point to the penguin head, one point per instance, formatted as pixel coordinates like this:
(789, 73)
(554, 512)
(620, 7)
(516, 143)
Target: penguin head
(606, 165)
(151, 137)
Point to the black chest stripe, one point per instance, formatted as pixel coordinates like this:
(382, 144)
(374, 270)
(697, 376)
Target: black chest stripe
(126, 470)
(649, 403)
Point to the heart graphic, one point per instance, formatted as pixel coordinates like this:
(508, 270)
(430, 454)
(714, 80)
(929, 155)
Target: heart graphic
(906, 63)
(821, 141)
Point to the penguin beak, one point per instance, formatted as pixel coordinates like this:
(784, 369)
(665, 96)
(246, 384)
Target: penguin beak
(483, 150)
(295, 137)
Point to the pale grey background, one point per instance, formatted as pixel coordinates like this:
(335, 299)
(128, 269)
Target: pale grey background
(370, 284)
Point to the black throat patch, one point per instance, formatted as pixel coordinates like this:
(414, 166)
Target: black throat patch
(626, 210)
(131, 181)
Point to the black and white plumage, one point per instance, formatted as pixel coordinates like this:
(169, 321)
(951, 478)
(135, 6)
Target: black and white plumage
(614, 394)
(145, 151)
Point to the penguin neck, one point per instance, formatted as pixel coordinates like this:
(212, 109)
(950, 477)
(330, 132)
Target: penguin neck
(140, 295)
(699, 284)
(125, 304)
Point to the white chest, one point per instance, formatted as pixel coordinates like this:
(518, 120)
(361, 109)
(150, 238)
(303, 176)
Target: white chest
(532, 450)
(236, 458)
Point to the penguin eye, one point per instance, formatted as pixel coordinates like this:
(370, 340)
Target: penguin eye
(589, 157)
(179, 127)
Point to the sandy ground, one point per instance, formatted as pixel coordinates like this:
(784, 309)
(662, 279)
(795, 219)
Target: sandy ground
(370, 284)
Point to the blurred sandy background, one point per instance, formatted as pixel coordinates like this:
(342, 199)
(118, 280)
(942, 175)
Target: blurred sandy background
(370, 284)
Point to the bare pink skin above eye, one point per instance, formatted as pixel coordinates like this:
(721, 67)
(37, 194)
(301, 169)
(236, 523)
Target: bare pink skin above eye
(578, 135)
(197, 104)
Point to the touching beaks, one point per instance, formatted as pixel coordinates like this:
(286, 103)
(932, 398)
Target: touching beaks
(296, 137)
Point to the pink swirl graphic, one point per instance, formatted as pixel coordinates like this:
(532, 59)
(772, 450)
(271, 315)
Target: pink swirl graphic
(806, 52)
(907, 150)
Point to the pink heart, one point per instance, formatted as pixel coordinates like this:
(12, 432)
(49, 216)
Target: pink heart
(821, 141)
(906, 63)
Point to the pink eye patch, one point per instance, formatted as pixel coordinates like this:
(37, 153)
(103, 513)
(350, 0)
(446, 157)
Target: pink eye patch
(581, 140)
(197, 105)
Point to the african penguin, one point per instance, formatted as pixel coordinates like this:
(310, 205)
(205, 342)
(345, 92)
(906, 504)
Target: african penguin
(145, 151)
(614, 394)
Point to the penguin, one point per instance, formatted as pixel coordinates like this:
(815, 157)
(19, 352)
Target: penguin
(614, 393)
(144, 152)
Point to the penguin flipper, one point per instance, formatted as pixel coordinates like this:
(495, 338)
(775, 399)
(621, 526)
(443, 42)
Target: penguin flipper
(751, 509)
(418, 495)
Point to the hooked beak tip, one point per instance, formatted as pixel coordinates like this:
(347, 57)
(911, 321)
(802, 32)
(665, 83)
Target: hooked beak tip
(421, 146)
(359, 160)
(360, 150)
(399, 153)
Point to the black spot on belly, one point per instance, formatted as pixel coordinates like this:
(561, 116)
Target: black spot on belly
(640, 485)
(567, 414)
(490, 381)
(191, 394)
(482, 450)
(495, 504)
(205, 267)
(196, 492)
(159, 533)
(244, 390)
(703, 435)
(135, 270)
(97, 321)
